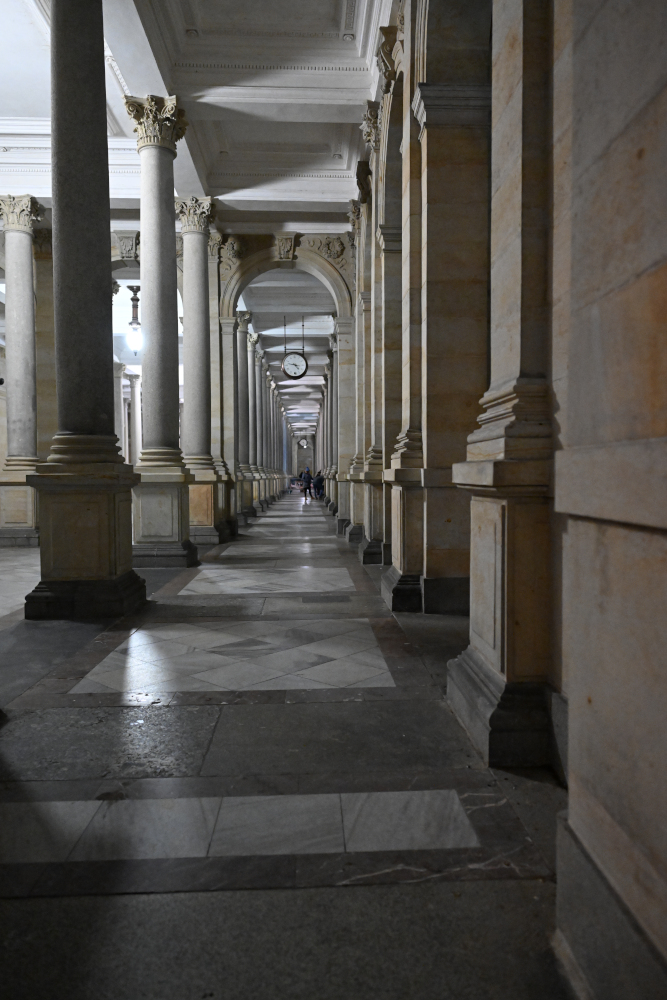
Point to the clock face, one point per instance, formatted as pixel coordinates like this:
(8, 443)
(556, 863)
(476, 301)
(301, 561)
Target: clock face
(303, 443)
(294, 365)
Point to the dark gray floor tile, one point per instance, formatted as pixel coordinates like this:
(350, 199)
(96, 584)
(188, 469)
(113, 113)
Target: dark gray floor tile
(445, 941)
(349, 736)
(82, 743)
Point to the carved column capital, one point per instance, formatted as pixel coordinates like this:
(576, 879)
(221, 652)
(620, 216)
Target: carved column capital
(259, 356)
(19, 212)
(252, 340)
(160, 122)
(195, 214)
(244, 319)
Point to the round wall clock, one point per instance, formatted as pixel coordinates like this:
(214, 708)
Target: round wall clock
(294, 365)
(303, 443)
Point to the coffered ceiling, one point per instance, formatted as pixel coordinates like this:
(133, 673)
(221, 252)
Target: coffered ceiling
(274, 91)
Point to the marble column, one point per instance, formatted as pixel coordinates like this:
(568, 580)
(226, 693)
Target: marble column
(84, 487)
(135, 416)
(118, 406)
(259, 404)
(252, 420)
(161, 511)
(18, 507)
(497, 687)
(346, 431)
(333, 506)
(206, 515)
(244, 476)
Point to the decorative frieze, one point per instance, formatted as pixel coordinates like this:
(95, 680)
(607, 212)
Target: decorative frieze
(160, 122)
(214, 245)
(332, 248)
(19, 212)
(195, 214)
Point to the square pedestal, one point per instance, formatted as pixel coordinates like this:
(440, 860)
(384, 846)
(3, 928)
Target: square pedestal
(86, 544)
(161, 522)
(18, 514)
(207, 525)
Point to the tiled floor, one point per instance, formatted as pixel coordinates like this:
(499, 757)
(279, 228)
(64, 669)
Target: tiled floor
(296, 654)
(255, 787)
(19, 574)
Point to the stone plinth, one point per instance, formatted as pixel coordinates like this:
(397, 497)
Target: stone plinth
(86, 552)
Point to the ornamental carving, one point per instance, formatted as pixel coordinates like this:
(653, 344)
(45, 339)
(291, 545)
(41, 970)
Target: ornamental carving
(125, 246)
(231, 253)
(214, 245)
(385, 58)
(252, 340)
(285, 247)
(371, 125)
(160, 122)
(333, 248)
(195, 214)
(19, 212)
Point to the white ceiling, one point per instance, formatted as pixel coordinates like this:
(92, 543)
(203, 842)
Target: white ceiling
(274, 91)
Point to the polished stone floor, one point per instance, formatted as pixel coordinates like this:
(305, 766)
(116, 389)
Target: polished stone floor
(255, 789)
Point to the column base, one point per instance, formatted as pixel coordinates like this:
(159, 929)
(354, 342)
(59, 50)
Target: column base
(507, 722)
(354, 533)
(166, 555)
(206, 535)
(370, 552)
(603, 951)
(86, 599)
(332, 507)
(446, 595)
(342, 523)
(19, 538)
(401, 591)
(386, 553)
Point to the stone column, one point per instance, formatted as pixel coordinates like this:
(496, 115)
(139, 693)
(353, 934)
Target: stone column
(346, 430)
(259, 404)
(333, 506)
(244, 476)
(230, 418)
(497, 686)
(18, 507)
(118, 405)
(252, 420)
(224, 486)
(274, 440)
(161, 500)
(135, 416)
(206, 515)
(390, 244)
(84, 487)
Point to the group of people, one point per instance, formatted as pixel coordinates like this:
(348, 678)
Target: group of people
(311, 483)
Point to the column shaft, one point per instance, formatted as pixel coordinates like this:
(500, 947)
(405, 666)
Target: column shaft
(84, 487)
(135, 416)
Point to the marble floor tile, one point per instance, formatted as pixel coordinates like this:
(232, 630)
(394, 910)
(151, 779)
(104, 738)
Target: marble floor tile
(149, 828)
(291, 660)
(340, 673)
(382, 680)
(289, 682)
(247, 581)
(405, 821)
(239, 676)
(278, 824)
(42, 831)
(340, 645)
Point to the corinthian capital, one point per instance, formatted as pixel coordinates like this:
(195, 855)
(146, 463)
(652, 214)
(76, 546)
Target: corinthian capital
(244, 319)
(160, 122)
(371, 125)
(19, 212)
(252, 340)
(194, 213)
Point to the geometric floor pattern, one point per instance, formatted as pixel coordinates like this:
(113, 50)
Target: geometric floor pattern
(243, 656)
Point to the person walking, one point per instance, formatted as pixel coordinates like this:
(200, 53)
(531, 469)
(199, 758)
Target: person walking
(307, 482)
(318, 483)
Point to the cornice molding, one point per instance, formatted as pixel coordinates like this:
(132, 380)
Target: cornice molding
(445, 105)
(390, 238)
(275, 66)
